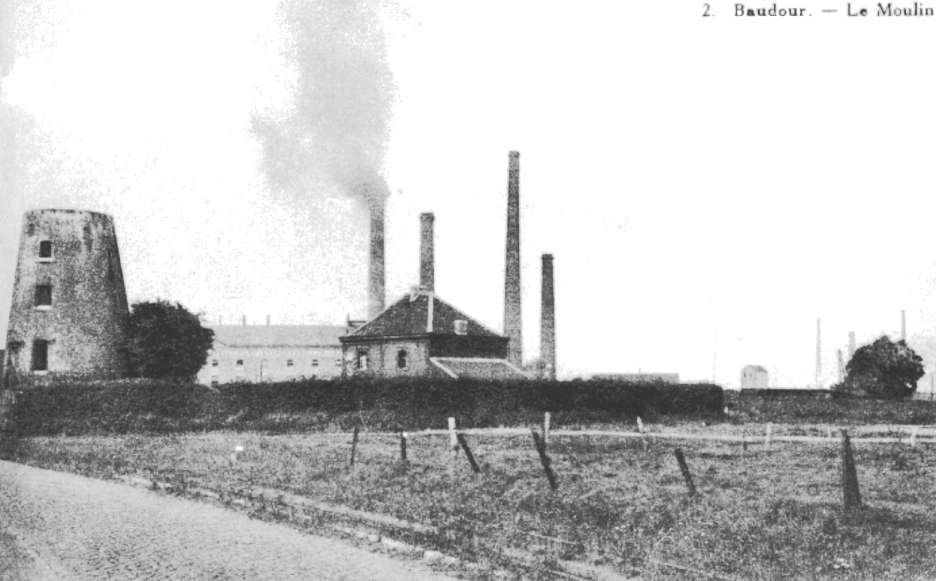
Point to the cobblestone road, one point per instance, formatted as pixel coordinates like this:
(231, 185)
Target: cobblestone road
(61, 526)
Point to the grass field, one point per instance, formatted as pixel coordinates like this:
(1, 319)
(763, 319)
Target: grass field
(760, 513)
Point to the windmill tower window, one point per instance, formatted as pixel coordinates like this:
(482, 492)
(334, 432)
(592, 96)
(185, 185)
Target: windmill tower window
(43, 296)
(45, 250)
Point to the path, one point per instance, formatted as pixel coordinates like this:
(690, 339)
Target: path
(55, 525)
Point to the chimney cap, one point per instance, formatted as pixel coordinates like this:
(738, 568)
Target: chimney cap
(547, 256)
(427, 215)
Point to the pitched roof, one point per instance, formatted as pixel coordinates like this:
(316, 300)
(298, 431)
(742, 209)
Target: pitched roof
(411, 315)
(277, 335)
(478, 368)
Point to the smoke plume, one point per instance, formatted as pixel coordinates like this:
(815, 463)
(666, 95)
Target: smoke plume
(335, 127)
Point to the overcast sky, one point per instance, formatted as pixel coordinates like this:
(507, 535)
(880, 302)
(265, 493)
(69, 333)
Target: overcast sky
(709, 187)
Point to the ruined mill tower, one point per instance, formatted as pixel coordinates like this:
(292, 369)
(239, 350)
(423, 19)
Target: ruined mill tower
(69, 311)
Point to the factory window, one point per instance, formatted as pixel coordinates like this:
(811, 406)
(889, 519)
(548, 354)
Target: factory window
(240, 362)
(402, 359)
(40, 355)
(43, 295)
(214, 362)
(338, 362)
(362, 359)
(45, 249)
(289, 363)
(315, 363)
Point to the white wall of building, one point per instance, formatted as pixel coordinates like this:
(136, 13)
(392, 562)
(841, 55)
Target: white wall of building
(258, 364)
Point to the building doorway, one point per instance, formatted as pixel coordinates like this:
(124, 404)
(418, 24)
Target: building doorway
(40, 355)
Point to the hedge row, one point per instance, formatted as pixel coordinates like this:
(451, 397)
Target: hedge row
(837, 409)
(135, 406)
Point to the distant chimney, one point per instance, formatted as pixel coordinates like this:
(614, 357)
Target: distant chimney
(548, 320)
(818, 353)
(268, 320)
(244, 320)
(841, 366)
(513, 319)
(851, 344)
(375, 291)
(426, 252)
(903, 325)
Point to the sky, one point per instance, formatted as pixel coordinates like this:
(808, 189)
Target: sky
(709, 187)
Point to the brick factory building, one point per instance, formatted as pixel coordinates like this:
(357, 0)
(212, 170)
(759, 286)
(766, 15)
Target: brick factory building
(421, 335)
(69, 313)
(255, 353)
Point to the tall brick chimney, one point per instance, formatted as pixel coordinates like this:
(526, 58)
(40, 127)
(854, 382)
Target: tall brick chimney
(375, 281)
(513, 320)
(548, 320)
(426, 252)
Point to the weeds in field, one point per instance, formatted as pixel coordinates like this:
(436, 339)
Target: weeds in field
(760, 514)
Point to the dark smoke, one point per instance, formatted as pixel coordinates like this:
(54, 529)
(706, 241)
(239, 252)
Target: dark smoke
(337, 125)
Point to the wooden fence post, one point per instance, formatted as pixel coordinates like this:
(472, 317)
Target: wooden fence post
(768, 435)
(640, 430)
(471, 459)
(913, 436)
(546, 422)
(453, 439)
(684, 468)
(544, 459)
(851, 497)
(402, 446)
(354, 441)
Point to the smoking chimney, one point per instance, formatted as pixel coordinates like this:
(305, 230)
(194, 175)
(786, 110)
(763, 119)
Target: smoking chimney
(426, 252)
(375, 290)
(548, 321)
(513, 320)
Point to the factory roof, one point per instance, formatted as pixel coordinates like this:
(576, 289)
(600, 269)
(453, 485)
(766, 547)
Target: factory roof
(278, 335)
(421, 313)
(477, 368)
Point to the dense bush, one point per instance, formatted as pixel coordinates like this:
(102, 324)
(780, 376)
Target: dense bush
(166, 341)
(884, 368)
(145, 405)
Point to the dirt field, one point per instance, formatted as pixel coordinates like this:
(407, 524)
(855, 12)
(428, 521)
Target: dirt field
(761, 512)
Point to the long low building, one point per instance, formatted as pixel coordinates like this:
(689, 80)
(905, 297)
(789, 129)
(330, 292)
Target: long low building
(258, 353)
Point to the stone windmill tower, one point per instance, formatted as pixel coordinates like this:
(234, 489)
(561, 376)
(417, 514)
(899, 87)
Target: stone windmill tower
(69, 311)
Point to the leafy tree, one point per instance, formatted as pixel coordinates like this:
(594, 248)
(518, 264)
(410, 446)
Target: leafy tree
(884, 368)
(166, 341)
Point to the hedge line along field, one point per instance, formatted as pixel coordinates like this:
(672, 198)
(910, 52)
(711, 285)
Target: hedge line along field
(840, 409)
(761, 513)
(152, 406)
